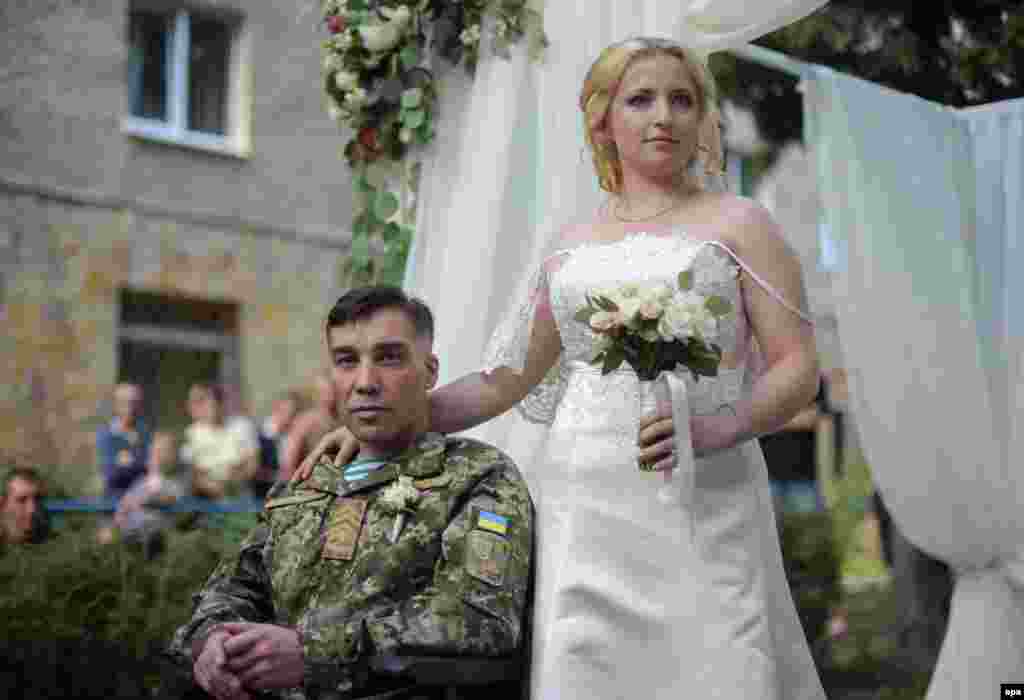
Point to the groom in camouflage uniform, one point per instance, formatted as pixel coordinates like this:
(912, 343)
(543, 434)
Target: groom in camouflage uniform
(403, 574)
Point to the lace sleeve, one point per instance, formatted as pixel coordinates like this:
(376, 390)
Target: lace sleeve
(510, 342)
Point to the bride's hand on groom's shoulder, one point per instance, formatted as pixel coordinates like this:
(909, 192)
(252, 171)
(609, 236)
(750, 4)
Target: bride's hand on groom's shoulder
(339, 440)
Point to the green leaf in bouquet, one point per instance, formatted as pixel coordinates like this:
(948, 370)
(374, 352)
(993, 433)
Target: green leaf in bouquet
(613, 358)
(648, 358)
(584, 315)
(718, 306)
(631, 351)
(391, 232)
(605, 304)
(385, 205)
(685, 280)
(704, 361)
(649, 324)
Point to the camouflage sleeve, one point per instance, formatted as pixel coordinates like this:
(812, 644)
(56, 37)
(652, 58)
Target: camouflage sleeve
(475, 604)
(238, 590)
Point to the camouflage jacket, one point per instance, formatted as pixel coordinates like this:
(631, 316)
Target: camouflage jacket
(454, 584)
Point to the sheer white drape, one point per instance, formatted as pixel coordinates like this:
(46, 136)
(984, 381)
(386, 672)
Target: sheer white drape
(925, 203)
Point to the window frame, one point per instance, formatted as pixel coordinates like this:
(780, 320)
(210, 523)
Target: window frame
(236, 140)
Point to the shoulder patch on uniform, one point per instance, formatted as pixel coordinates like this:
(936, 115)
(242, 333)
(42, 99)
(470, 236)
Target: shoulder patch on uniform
(487, 557)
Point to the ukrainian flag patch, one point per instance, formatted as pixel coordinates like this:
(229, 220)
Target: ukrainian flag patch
(492, 522)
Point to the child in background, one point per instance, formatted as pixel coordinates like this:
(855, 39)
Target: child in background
(142, 524)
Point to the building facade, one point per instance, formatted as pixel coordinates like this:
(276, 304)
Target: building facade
(173, 208)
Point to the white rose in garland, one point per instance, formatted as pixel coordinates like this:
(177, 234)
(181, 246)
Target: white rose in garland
(384, 37)
(346, 80)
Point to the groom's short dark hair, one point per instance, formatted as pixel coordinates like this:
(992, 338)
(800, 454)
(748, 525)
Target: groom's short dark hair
(362, 302)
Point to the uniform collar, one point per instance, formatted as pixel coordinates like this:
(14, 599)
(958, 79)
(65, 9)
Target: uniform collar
(424, 459)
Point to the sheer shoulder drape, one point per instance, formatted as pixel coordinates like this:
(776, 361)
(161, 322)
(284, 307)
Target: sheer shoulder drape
(925, 204)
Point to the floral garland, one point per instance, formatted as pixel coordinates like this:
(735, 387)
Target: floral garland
(377, 84)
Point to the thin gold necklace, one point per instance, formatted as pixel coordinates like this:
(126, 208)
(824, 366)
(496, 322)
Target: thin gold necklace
(615, 213)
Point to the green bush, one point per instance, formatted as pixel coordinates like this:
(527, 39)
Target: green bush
(812, 569)
(110, 599)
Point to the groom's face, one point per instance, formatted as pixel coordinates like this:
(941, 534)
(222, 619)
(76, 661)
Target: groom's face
(382, 371)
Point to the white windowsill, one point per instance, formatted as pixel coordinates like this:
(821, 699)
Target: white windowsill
(160, 132)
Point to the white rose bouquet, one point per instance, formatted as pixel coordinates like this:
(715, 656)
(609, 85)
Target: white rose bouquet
(656, 328)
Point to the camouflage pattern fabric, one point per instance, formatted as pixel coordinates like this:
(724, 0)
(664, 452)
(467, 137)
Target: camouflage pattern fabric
(454, 583)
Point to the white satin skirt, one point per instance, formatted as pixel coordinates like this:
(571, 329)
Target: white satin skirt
(639, 598)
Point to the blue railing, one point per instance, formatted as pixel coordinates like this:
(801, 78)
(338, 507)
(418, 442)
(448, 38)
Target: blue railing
(182, 505)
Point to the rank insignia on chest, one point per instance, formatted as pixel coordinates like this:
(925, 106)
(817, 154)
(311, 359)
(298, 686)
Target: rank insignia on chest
(435, 482)
(342, 528)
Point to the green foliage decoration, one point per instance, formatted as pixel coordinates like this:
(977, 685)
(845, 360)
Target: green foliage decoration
(379, 83)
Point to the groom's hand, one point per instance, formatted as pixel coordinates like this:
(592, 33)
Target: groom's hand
(264, 657)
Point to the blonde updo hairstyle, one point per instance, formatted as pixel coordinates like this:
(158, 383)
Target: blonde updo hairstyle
(599, 89)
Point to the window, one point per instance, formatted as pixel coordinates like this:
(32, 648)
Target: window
(184, 70)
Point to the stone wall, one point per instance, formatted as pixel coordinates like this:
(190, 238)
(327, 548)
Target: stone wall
(65, 264)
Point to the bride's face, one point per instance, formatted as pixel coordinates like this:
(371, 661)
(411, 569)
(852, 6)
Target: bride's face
(654, 117)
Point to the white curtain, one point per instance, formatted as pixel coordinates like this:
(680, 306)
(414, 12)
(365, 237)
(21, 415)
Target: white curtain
(924, 203)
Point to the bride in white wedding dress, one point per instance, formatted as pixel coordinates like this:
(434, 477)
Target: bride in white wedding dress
(639, 596)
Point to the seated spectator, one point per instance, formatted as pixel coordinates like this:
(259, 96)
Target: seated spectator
(23, 521)
(135, 516)
(122, 447)
(223, 453)
(272, 435)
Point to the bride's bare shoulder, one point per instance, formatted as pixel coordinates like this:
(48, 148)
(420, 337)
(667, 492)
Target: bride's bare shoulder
(739, 220)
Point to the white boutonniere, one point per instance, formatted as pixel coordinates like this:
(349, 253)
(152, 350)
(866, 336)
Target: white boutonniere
(399, 499)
